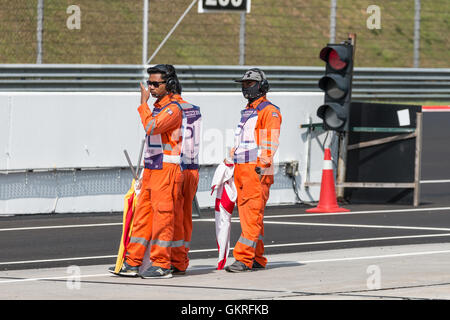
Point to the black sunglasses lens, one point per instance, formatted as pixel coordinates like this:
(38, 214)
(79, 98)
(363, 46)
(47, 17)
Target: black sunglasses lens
(154, 83)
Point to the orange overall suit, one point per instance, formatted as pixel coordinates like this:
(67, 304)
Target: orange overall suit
(142, 224)
(256, 142)
(183, 221)
(161, 192)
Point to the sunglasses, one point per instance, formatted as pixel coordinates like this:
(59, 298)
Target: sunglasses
(155, 83)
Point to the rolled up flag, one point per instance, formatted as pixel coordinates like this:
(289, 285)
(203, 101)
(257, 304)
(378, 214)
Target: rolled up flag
(223, 184)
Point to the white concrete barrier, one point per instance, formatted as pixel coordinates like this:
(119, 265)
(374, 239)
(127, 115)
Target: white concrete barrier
(48, 131)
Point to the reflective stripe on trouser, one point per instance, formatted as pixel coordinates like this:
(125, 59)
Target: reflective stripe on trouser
(183, 220)
(142, 224)
(165, 187)
(251, 212)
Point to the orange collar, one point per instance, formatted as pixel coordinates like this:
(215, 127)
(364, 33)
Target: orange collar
(163, 101)
(255, 103)
(178, 98)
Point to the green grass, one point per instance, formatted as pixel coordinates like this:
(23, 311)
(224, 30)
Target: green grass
(279, 32)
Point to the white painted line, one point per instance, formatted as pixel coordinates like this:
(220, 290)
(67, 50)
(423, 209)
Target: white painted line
(355, 225)
(266, 246)
(294, 215)
(234, 219)
(206, 220)
(64, 226)
(357, 212)
(397, 255)
(358, 240)
(435, 181)
(56, 260)
(55, 278)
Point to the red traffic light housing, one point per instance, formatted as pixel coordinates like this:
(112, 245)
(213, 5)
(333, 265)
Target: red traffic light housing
(336, 56)
(337, 86)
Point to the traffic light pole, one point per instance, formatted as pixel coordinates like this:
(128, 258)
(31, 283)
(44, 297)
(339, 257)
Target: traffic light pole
(343, 141)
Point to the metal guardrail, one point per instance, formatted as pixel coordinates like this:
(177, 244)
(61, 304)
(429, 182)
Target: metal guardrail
(407, 84)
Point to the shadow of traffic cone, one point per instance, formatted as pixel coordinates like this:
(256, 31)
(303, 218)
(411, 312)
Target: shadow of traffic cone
(327, 201)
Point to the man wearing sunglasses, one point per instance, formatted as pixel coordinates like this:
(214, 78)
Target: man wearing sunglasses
(161, 184)
(256, 141)
(191, 128)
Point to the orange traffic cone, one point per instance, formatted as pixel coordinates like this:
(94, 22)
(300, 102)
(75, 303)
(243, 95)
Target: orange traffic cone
(327, 201)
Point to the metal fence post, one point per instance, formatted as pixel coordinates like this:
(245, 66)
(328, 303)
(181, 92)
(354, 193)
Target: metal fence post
(242, 40)
(333, 8)
(418, 158)
(39, 30)
(343, 141)
(145, 32)
(416, 34)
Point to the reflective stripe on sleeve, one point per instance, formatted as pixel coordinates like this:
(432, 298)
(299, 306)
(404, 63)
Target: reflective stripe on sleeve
(150, 126)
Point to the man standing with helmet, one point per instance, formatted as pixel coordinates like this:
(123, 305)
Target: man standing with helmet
(256, 141)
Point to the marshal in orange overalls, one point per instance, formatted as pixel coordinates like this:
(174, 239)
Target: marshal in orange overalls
(161, 192)
(256, 146)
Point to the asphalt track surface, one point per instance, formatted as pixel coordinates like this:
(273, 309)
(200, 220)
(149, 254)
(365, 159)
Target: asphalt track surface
(90, 239)
(32, 243)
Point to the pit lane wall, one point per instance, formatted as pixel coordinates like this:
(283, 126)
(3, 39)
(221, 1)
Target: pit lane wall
(62, 152)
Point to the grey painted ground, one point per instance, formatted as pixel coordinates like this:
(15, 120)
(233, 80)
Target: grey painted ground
(390, 272)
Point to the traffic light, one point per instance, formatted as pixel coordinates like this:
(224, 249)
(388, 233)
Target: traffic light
(337, 85)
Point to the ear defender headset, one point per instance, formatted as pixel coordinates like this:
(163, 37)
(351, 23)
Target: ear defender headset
(264, 84)
(169, 74)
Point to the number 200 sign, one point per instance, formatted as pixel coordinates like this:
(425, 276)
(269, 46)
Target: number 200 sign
(223, 5)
